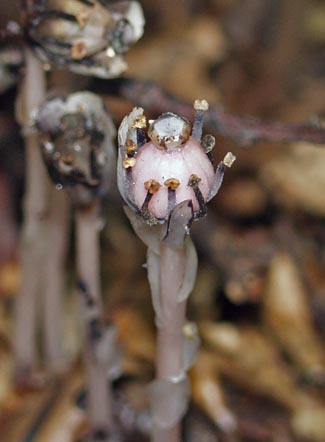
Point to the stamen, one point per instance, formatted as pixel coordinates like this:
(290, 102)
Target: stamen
(78, 51)
(172, 184)
(208, 142)
(193, 180)
(129, 162)
(152, 187)
(131, 148)
(220, 171)
(229, 159)
(200, 107)
(194, 183)
(139, 122)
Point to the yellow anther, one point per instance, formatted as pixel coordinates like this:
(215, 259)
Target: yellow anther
(129, 162)
(78, 51)
(172, 183)
(130, 146)
(140, 122)
(152, 186)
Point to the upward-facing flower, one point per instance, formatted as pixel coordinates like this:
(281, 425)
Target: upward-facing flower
(164, 163)
(86, 36)
(77, 144)
(166, 175)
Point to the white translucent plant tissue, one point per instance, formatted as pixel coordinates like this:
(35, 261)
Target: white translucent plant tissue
(169, 400)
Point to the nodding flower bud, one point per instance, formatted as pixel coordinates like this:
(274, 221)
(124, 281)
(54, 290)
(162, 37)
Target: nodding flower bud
(77, 144)
(164, 163)
(86, 36)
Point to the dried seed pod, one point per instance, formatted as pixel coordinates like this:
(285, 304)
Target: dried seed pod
(87, 36)
(77, 144)
(168, 155)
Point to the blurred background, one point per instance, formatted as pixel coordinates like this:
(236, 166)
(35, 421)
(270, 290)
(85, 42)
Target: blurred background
(259, 300)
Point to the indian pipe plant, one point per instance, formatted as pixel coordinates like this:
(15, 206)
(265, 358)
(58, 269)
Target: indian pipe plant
(166, 176)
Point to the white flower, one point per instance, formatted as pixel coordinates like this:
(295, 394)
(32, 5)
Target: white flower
(163, 163)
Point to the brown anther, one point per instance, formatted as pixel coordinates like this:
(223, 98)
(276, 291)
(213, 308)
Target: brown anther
(68, 159)
(139, 122)
(78, 51)
(131, 147)
(172, 183)
(129, 162)
(152, 186)
(82, 18)
(193, 180)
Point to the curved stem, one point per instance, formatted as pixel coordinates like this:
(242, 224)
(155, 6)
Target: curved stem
(99, 397)
(170, 337)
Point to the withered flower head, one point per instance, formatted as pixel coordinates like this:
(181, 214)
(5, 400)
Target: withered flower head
(87, 36)
(164, 165)
(77, 143)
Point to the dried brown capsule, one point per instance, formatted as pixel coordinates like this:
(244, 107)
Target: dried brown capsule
(77, 143)
(87, 36)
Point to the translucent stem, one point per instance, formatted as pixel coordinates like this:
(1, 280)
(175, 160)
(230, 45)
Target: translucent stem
(35, 207)
(99, 397)
(170, 335)
(57, 243)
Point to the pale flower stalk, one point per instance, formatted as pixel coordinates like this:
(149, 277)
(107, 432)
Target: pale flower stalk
(166, 176)
(35, 205)
(77, 146)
